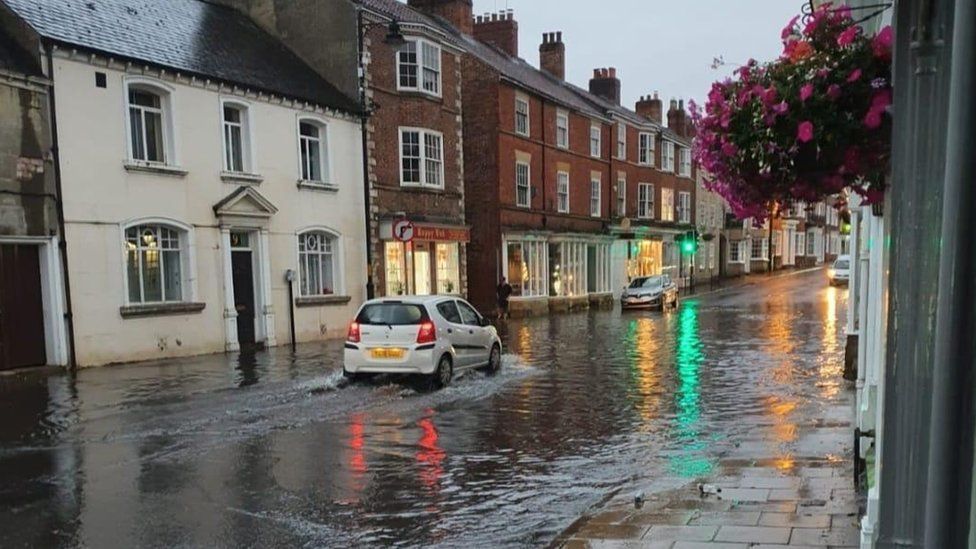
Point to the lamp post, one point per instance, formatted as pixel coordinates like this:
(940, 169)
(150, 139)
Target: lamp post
(395, 38)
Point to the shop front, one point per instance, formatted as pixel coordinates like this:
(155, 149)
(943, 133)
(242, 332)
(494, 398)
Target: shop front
(426, 260)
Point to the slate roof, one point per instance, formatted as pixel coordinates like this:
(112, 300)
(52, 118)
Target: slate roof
(608, 107)
(188, 36)
(403, 13)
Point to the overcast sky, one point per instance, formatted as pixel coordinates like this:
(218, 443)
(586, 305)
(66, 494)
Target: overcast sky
(664, 45)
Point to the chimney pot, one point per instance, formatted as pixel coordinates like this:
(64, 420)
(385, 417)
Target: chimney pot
(552, 55)
(559, 36)
(499, 29)
(606, 85)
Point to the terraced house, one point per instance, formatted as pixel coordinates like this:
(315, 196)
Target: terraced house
(208, 173)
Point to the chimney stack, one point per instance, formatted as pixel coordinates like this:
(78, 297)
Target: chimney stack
(678, 118)
(606, 84)
(498, 29)
(650, 107)
(456, 12)
(552, 54)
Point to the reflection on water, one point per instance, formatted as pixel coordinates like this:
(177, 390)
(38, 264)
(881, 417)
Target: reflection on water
(270, 449)
(690, 461)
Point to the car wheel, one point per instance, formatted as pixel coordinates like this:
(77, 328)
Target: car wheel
(355, 377)
(494, 360)
(444, 373)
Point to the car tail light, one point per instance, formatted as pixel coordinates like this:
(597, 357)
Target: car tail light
(427, 333)
(353, 335)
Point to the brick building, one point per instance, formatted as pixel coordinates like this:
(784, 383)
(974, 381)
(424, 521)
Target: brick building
(415, 144)
(549, 187)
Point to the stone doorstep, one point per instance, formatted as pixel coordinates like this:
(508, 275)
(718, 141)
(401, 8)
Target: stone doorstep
(753, 534)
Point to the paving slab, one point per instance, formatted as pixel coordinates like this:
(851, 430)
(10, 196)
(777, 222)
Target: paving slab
(598, 530)
(708, 545)
(825, 536)
(681, 533)
(668, 518)
(734, 518)
(745, 494)
(793, 520)
(753, 534)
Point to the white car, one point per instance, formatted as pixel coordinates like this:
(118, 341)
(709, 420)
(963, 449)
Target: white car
(840, 271)
(432, 336)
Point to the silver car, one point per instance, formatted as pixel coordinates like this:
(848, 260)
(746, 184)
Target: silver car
(647, 292)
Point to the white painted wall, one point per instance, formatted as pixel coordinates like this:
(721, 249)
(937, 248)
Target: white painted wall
(99, 194)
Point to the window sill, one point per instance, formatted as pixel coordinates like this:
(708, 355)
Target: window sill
(318, 186)
(322, 301)
(417, 187)
(161, 169)
(161, 309)
(423, 94)
(241, 177)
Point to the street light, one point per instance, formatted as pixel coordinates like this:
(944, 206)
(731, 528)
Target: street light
(394, 37)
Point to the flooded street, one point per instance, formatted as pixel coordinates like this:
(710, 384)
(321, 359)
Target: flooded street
(276, 450)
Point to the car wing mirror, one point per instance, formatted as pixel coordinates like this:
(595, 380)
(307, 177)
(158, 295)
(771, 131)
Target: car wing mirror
(484, 322)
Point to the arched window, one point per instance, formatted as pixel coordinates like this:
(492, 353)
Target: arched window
(313, 151)
(149, 123)
(318, 260)
(155, 255)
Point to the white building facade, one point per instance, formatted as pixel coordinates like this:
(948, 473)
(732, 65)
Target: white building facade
(193, 210)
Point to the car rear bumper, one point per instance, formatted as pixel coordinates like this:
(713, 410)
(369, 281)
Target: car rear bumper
(358, 359)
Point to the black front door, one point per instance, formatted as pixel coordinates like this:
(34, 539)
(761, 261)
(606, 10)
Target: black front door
(244, 295)
(21, 307)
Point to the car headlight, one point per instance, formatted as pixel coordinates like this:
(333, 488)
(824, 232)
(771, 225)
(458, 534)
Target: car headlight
(831, 273)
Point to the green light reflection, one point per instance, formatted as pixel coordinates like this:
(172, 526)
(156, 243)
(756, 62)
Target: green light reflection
(690, 461)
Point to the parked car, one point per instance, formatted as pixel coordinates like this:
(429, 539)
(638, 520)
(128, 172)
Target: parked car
(840, 272)
(431, 336)
(650, 292)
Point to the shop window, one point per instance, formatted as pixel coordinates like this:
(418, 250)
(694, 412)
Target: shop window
(448, 268)
(645, 258)
(526, 267)
(396, 276)
(667, 204)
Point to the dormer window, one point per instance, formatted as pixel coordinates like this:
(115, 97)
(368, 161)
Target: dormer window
(419, 67)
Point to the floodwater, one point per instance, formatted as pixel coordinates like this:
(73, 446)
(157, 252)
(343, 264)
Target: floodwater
(276, 450)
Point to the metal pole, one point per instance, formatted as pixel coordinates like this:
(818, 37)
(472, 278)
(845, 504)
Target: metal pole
(950, 474)
(769, 250)
(291, 312)
(363, 121)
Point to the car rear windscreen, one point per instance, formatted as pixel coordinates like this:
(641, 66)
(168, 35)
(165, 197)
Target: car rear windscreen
(392, 314)
(842, 264)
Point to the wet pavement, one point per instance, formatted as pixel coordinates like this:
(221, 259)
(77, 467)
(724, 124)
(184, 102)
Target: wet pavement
(275, 450)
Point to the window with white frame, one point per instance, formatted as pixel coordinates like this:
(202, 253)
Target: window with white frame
(312, 145)
(562, 192)
(760, 248)
(811, 243)
(595, 190)
(421, 158)
(150, 124)
(596, 132)
(419, 67)
(526, 267)
(622, 141)
(684, 157)
(684, 207)
(712, 246)
(562, 129)
(523, 191)
(237, 137)
(645, 201)
(737, 251)
(667, 204)
(318, 264)
(801, 243)
(522, 116)
(621, 196)
(155, 255)
(646, 149)
(667, 156)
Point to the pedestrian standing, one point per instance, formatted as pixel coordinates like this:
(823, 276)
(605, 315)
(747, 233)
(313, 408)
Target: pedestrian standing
(503, 292)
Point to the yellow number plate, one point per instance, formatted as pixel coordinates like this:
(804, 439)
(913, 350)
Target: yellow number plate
(388, 353)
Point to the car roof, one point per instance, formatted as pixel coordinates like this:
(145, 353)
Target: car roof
(411, 299)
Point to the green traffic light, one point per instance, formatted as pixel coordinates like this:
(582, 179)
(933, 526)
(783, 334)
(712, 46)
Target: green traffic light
(688, 247)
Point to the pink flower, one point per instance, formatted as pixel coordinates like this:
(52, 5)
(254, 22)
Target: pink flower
(847, 37)
(806, 91)
(804, 133)
(781, 108)
(789, 28)
(881, 44)
(854, 76)
(833, 92)
(823, 73)
(729, 149)
(881, 100)
(873, 119)
(769, 95)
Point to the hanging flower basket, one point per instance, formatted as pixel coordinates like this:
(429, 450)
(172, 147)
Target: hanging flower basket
(803, 127)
